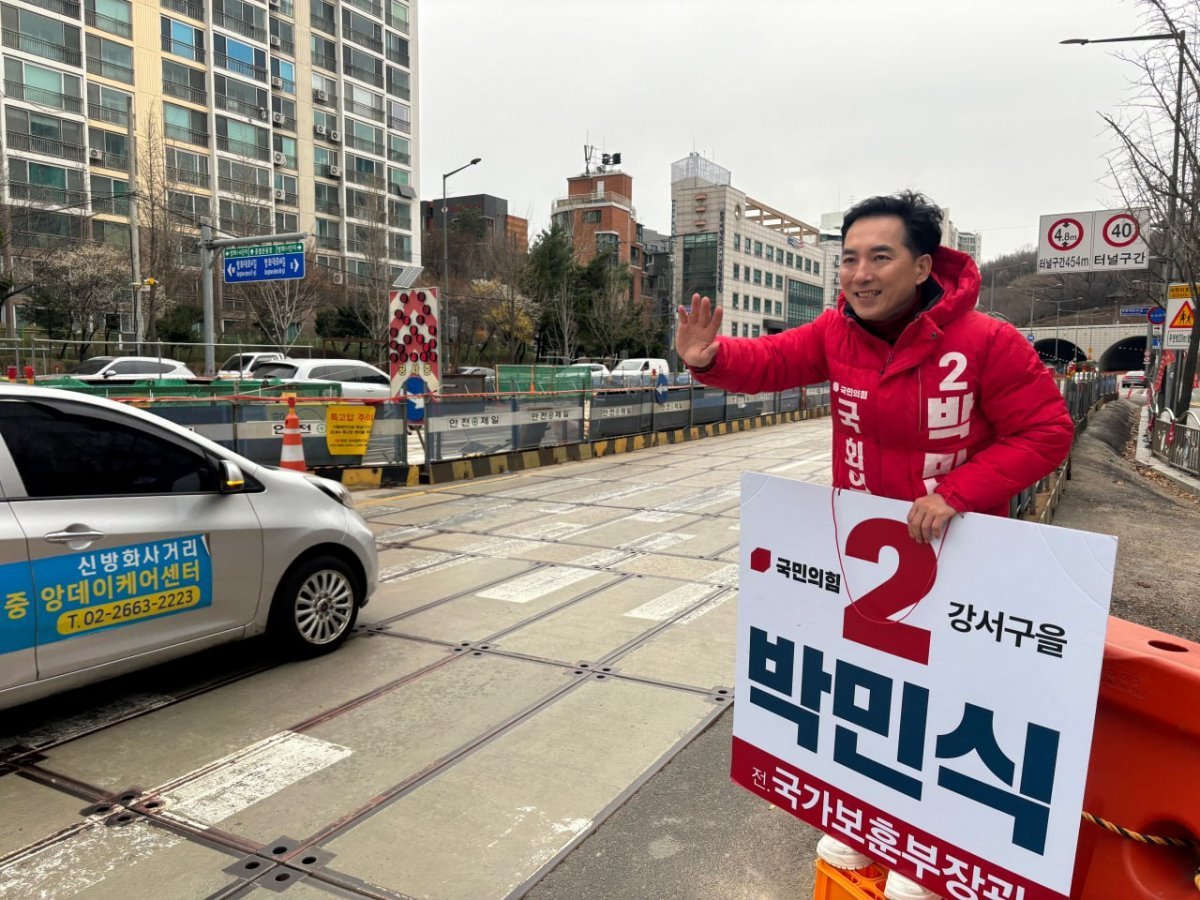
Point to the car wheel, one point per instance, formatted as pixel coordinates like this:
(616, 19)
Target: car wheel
(316, 605)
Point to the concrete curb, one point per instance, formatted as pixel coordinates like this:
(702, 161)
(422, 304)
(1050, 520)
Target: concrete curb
(522, 460)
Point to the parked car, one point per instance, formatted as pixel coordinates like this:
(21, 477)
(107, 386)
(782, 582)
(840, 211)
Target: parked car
(599, 372)
(1133, 379)
(241, 365)
(126, 368)
(356, 379)
(127, 540)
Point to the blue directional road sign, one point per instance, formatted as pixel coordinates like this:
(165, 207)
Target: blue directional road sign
(1157, 315)
(264, 262)
(1138, 312)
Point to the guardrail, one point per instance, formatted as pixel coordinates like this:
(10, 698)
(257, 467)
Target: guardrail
(1175, 443)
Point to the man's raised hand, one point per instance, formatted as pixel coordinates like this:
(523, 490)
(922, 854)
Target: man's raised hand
(696, 332)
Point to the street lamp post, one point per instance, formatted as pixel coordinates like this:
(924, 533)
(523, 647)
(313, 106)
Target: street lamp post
(1057, 313)
(992, 288)
(1173, 184)
(446, 265)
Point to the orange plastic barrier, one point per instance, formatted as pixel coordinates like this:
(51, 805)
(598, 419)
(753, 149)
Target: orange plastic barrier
(1144, 773)
(840, 884)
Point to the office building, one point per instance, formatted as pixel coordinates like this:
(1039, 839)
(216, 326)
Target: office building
(768, 269)
(492, 213)
(263, 115)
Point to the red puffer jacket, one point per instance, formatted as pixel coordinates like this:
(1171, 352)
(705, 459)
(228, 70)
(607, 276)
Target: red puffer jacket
(961, 404)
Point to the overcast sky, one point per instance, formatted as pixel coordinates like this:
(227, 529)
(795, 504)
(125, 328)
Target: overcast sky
(809, 103)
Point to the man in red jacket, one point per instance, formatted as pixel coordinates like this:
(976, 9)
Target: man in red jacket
(932, 401)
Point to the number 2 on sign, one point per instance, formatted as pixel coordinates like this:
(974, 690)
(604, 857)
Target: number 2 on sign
(867, 620)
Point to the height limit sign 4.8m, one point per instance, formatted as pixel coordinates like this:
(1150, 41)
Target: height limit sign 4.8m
(1096, 241)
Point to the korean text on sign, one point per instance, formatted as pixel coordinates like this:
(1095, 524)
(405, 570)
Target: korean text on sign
(929, 707)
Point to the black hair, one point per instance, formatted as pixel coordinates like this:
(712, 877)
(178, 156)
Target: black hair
(921, 217)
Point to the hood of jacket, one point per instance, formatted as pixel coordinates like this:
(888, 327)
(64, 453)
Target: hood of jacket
(951, 290)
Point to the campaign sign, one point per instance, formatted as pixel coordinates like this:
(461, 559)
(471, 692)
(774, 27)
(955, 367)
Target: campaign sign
(931, 706)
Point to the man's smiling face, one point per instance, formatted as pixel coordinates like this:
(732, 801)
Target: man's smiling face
(879, 273)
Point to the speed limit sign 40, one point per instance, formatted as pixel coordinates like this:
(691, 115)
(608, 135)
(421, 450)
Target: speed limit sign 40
(1121, 230)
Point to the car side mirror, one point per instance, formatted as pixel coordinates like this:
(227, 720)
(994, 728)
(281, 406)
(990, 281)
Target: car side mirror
(109, 373)
(232, 481)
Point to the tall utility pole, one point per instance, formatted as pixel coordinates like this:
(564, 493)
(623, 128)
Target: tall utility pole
(135, 250)
(445, 310)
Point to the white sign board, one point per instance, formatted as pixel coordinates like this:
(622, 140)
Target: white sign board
(1097, 241)
(931, 706)
(1181, 316)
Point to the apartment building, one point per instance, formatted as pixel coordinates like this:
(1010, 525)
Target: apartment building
(263, 115)
(768, 269)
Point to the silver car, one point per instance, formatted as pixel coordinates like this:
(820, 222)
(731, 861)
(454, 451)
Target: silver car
(126, 540)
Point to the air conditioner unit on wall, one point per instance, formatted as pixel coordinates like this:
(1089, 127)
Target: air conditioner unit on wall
(321, 130)
(320, 95)
(280, 194)
(335, 136)
(276, 81)
(95, 153)
(277, 118)
(276, 41)
(279, 158)
(274, 4)
(336, 277)
(335, 171)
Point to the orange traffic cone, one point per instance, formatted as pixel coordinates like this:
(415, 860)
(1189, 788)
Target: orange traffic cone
(292, 456)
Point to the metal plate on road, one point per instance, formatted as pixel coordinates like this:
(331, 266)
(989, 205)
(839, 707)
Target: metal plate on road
(264, 262)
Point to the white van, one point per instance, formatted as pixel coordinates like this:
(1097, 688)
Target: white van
(641, 368)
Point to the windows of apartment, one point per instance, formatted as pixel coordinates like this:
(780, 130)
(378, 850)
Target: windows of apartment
(113, 16)
(398, 83)
(399, 150)
(113, 144)
(397, 179)
(191, 206)
(364, 137)
(362, 30)
(326, 196)
(758, 276)
(770, 253)
(41, 133)
(286, 72)
(807, 264)
(41, 35)
(757, 302)
(191, 168)
(591, 217)
(737, 242)
(362, 65)
(758, 248)
(326, 120)
(110, 196)
(737, 273)
(789, 260)
(399, 116)
(240, 57)
(286, 146)
(243, 178)
(323, 160)
(46, 87)
(755, 331)
(816, 268)
(244, 217)
(286, 222)
(242, 138)
(735, 301)
(400, 214)
(182, 124)
(324, 52)
(182, 39)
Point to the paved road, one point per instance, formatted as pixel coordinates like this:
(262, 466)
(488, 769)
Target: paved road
(542, 644)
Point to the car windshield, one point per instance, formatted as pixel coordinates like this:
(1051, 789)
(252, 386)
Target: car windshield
(235, 363)
(275, 370)
(91, 366)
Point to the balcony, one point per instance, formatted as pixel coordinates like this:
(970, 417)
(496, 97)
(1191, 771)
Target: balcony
(31, 143)
(244, 188)
(396, 156)
(370, 7)
(324, 61)
(404, 222)
(286, 8)
(108, 69)
(18, 90)
(364, 145)
(288, 123)
(109, 24)
(181, 48)
(111, 206)
(187, 176)
(241, 107)
(243, 148)
(186, 92)
(45, 49)
(41, 193)
(109, 160)
(241, 68)
(363, 39)
(108, 114)
(290, 198)
(322, 23)
(399, 124)
(286, 46)
(327, 242)
(367, 180)
(596, 198)
(400, 91)
(285, 84)
(329, 208)
(248, 29)
(62, 7)
(330, 99)
(375, 78)
(192, 10)
(400, 24)
(373, 113)
(187, 135)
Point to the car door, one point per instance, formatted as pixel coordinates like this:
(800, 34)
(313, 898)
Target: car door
(18, 613)
(370, 383)
(131, 545)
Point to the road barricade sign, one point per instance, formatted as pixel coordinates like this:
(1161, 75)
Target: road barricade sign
(931, 706)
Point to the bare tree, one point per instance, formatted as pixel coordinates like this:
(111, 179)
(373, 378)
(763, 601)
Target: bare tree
(283, 309)
(1156, 164)
(75, 289)
(610, 312)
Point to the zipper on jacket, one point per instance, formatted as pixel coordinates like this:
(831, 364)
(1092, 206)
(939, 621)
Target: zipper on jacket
(887, 362)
